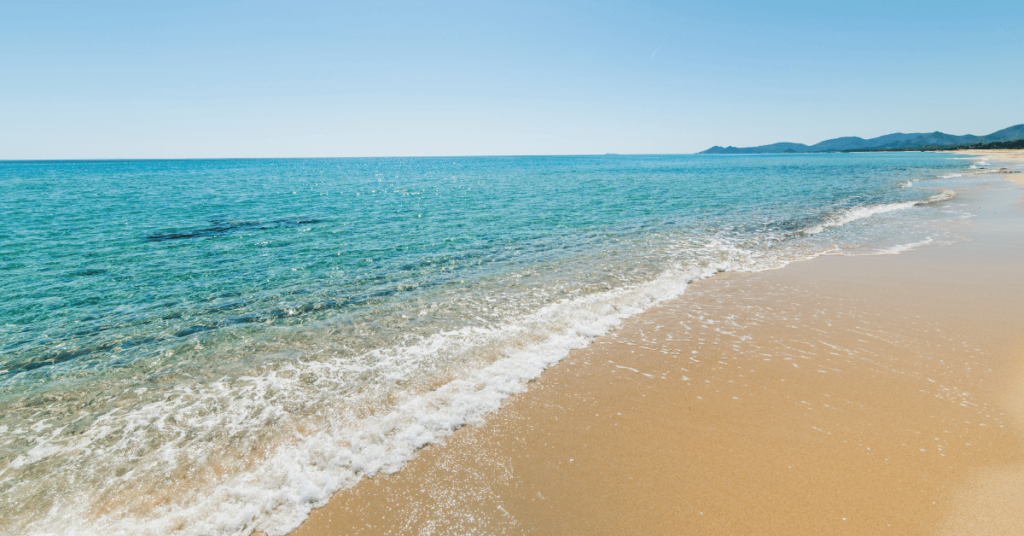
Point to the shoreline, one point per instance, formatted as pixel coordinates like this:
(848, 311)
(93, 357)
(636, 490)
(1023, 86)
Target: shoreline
(1006, 156)
(999, 155)
(677, 419)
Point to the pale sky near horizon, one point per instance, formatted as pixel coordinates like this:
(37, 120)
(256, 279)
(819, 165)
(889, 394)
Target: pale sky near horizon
(124, 79)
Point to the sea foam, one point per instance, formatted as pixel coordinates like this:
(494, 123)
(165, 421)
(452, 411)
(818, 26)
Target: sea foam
(850, 215)
(278, 494)
(232, 356)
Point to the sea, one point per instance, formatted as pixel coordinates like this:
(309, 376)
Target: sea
(213, 347)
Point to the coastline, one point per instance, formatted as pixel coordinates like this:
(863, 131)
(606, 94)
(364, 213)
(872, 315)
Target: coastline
(886, 401)
(842, 394)
(249, 425)
(1000, 155)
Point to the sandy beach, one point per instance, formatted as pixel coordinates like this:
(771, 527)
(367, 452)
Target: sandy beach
(1005, 156)
(523, 269)
(841, 395)
(1000, 155)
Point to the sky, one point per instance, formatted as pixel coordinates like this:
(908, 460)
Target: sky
(128, 79)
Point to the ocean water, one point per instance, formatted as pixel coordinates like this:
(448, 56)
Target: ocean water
(213, 347)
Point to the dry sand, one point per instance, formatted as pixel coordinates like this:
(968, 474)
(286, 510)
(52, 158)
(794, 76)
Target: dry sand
(843, 395)
(1010, 156)
(1002, 155)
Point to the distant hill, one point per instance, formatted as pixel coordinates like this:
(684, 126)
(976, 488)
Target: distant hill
(1002, 145)
(889, 142)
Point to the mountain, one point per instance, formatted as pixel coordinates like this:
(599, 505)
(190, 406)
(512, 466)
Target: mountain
(888, 142)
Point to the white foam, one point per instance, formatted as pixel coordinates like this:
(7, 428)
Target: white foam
(277, 494)
(903, 248)
(300, 477)
(860, 213)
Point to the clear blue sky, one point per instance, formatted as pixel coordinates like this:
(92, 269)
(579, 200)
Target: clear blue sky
(131, 79)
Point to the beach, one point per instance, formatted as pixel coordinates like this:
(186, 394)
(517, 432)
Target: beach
(1005, 156)
(541, 345)
(544, 269)
(999, 155)
(840, 395)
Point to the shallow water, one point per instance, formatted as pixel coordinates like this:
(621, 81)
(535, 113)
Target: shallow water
(208, 347)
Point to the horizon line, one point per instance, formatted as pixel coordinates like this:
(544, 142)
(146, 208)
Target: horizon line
(151, 159)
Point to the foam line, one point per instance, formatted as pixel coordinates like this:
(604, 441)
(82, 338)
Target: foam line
(860, 213)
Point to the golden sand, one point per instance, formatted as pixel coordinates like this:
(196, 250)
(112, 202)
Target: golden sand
(843, 395)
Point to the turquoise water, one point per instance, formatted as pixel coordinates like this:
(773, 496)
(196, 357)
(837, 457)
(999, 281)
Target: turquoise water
(209, 347)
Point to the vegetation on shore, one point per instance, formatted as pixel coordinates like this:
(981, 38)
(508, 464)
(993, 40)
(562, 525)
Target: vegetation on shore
(1015, 144)
(1002, 139)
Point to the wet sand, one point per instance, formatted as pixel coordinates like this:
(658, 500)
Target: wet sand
(1013, 157)
(841, 395)
(1002, 155)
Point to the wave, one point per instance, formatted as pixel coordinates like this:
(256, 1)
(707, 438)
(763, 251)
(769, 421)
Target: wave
(859, 213)
(307, 463)
(902, 248)
(276, 494)
(213, 454)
